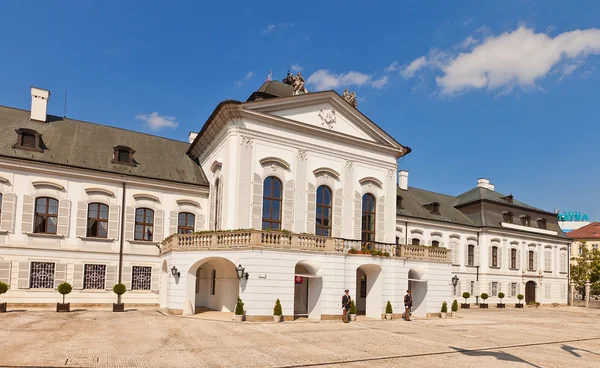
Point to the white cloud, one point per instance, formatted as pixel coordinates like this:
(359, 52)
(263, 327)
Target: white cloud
(380, 83)
(245, 79)
(469, 41)
(296, 68)
(393, 67)
(156, 122)
(322, 79)
(269, 28)
(517, 58)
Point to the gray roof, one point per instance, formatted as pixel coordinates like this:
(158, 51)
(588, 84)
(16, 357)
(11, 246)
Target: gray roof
(478, 193)
(272, 89)
(90, 146)
(414, 199)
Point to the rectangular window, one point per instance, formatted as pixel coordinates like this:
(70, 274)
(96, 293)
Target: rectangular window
(42, 275)
(531, 257)
(94, 276)
(471, 255)
(494, 288)
(415, 241)
(472, 288)
(494, 256)
(214, 282)
(513, 258)
(435, 243)
(141, 278)
(548, 261)
(513, 289)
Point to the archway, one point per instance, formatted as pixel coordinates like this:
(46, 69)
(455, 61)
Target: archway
(417, 283)
(529, 292)
(213, 285)
(368, 291)
(307, 290)
(164, 284)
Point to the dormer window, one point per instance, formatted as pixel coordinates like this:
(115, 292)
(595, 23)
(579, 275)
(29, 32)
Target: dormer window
(508, 198)
(123, 155)
(433, 207)
(542, 223)
(28, 139)
(508, 217)
(526, 220)
(398, 202)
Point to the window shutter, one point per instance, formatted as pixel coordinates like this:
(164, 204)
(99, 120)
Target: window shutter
(199, 222)
(220, 209)
(500, 257)
(5, 272)
(499, 287)
(312, 209)
(126, 280)
(113, 221)
(9, 206)
(477, 255)
(458, 291)
(489, 292)
(288, 206)
(81, 226)
(466, 254)
(257, 198)
(454, 251)
(337, 213)
(519, 259)
(211, 202)
(129, 222)
(64, 210)
(548, 259)
(78, 276)
(60, 274)
(380, 223)
(357, 215)
(28, 211)
(154, 281)
(159, 226)
(173, 222)
(490, 256)
(111, 277)
(23, 282)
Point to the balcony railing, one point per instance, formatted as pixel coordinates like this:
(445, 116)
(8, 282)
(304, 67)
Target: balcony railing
(302, 242)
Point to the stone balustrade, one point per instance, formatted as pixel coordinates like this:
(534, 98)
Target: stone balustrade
(303, 242)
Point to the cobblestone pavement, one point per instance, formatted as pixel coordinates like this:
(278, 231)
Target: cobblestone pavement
(544, 337)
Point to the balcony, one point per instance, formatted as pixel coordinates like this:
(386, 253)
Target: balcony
(245, 239)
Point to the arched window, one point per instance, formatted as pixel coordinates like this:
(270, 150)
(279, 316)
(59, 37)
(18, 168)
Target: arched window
(46, 215)
(415, 241)
(144, 224)
(323, 220)
(531, 255)
(494, 256)
(435, 243)
(513, 258)
(471, 255)
(216, 220)
(214, 282)
(97, 220)
(271, 218)
(368, 218)
(185, 223)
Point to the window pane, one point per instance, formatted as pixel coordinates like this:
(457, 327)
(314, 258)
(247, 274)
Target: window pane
(326, 196)
(139, 231)
(52, 206)
(266, 209)
(51, 225)
(326, 214)
(191, 219)
(181, 219)
(267, 188)
(149, 216)
(275, 213)
(104, 211)
(266, 225)
(139, 215)
(28, 140)
(40, 206)
(148, 233)
(102, 229)
(275, 226)
(320, 194)
(276, 188)
(92, 211)
(92, 228)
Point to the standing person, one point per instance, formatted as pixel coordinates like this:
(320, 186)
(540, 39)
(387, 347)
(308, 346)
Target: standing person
(346, 306)
(407, 305)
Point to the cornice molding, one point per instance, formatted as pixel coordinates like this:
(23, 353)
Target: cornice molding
(183, 202)
(370, 179)
(141, 196)
(3, 180)
(327, 171)
(47, 184)
(274, 160)
(100, 190)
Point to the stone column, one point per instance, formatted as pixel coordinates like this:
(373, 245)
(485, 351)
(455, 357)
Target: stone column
(587, 294)
(572, 294)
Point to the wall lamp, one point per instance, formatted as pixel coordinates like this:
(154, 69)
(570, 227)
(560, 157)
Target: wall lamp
(174, 272)
(240, 272)
(455, 280)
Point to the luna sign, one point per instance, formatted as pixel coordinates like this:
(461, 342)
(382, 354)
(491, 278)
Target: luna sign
(572, 216)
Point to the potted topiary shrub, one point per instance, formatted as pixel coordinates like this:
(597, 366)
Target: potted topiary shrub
(3, 289)
(454, 308)
(64, 288)
(520, 297)
(466, 304)
(119, 289)
(484, 296)
(388, 310)
(500, 296)
(444, 310)
(352, 311)
(277, 312)
(239, 310)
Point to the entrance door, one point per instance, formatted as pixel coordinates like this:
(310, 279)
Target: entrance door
(301, 296)
(529, 292)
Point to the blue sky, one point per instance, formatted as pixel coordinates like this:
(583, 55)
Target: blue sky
(506, 90)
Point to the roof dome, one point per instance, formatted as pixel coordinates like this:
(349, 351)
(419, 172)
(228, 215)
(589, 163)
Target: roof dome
(272, 89)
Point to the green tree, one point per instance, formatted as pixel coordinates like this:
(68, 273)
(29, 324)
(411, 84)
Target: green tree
(587, 268)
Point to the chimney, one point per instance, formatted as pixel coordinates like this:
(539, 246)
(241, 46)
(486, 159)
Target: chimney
(192, 136)
(403, 179)
(485, 183)
(39, 104)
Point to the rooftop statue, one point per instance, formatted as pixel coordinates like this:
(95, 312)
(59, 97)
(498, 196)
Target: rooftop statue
(298, 84)
(289, 78)
(350, 98)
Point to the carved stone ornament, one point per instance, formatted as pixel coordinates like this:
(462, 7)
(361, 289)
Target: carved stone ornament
(350, 164)
(302, 154)
(327, 117)
(391, 173)
(248, 141)
(350, 98)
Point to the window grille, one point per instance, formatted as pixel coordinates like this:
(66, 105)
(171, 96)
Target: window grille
(94, 276)
(513, 289)
(42, 275)
(472, 288)
(141, 278)
(494, 288)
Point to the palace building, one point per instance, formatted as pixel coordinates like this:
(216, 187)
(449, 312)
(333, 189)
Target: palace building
(289, 195)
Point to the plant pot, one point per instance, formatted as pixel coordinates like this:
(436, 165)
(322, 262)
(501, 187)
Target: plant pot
(443, 315)
(276, 319)
(483, 305)
(2, 307)
(518, 305)
(238, 317)
(63, 307)
(500, 305)
(353, 317)
(465, 306)
(118, 307)
(453, 314)
(388, 316)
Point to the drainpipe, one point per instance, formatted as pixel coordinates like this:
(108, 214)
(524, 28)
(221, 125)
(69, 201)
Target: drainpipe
(122, 238)
(405, 232)
(477, 275)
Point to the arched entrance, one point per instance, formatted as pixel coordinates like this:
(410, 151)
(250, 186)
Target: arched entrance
(368, 291)
(213, 285)
(529, 292)
(164, 284)
(417, 283)
(307, 290)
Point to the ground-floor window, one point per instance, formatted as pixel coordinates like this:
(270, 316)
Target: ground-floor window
(94, 276)
(494, 288)
(513, 289)
(42, 275)
(472, 288)
(141, 278)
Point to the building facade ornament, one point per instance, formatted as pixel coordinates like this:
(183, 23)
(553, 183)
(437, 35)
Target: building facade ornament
(302, 154)
(391, 173)
(248, 141)
(327, 117)
(350, 164)
(350, 98)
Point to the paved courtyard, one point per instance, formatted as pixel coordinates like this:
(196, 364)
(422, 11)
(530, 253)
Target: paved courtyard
(544, 337)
